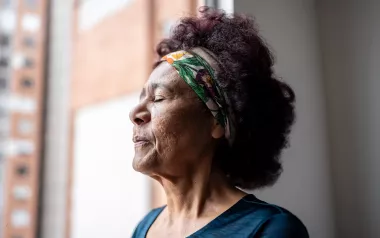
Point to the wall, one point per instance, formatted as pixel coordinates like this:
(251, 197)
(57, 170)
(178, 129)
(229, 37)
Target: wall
(290, 27)
(350, 36)
(111, 56)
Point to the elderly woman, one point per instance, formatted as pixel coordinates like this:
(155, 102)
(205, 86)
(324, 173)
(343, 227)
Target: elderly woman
(212, 120)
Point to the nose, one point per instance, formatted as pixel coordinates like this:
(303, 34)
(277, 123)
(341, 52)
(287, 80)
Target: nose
(139, 115)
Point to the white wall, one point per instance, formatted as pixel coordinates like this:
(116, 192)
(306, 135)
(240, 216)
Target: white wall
(290, 27)
(350, 37)
(109, 198)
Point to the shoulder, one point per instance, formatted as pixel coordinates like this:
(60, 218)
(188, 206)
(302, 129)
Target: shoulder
(146, 222)
(273, 221)
(284, 225)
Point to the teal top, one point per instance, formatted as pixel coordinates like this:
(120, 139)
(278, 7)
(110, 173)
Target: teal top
(249, 217)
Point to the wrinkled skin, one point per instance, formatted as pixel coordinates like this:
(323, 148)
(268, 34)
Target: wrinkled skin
(173, 129)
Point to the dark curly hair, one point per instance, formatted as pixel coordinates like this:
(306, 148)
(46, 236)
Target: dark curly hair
(263, 106)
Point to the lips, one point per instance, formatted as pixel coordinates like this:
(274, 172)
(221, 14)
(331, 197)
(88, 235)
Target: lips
(140, 140)
(141, 143)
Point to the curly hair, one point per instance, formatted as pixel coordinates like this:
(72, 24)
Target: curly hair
(262, 105)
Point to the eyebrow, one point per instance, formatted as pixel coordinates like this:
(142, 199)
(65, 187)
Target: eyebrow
(163, 86)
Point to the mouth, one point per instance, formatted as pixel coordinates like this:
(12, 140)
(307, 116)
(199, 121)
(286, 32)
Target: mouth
(140, 141)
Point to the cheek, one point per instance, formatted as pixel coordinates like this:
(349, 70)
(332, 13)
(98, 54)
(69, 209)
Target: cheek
(167, 129)
(178, 130)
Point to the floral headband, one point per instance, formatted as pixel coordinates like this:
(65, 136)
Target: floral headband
(200, 76)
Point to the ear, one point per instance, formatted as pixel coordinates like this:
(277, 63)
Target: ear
(217, 130)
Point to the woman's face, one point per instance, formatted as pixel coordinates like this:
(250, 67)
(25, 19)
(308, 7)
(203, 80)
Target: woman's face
(173, 130)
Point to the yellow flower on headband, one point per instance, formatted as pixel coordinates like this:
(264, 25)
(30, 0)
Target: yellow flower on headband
(170, 58)
(177, 55)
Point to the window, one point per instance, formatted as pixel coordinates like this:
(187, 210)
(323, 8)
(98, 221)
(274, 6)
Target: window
(3, 83)
(3, 62)
(28, 42)
(8, 20)
(31, 22)
(21, 193)
(22, 170)
(20, 218)
(27, 82)
(28, 63)
(4, 40)
(25, 126)
(24, 148)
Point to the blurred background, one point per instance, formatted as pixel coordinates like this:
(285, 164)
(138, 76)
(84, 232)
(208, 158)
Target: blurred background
(70, 71)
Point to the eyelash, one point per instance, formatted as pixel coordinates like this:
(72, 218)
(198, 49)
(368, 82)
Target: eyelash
(159, 99)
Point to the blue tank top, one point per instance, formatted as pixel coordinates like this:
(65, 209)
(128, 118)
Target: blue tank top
(249, 217)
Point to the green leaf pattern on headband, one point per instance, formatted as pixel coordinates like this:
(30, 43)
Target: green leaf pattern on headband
(200, 76)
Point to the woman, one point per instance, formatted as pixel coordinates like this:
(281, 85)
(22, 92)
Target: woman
(212, 118)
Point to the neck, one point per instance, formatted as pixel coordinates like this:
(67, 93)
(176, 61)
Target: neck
(199, 194)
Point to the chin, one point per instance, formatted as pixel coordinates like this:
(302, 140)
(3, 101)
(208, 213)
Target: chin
(143, 165)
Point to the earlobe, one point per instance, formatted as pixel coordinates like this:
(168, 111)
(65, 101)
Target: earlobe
(218, 131)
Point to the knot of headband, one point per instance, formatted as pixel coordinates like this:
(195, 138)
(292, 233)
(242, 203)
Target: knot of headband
(200, 76)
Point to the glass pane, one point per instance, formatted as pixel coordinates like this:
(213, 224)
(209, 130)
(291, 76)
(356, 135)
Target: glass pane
(27, 82)
(22, 170)
(3, 83)
(4, 40)
(4, 62)
(28, 41)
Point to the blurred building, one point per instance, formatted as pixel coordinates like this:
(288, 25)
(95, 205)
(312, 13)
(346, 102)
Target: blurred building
(22, 71)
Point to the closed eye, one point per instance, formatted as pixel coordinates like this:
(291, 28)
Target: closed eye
(158, 99)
